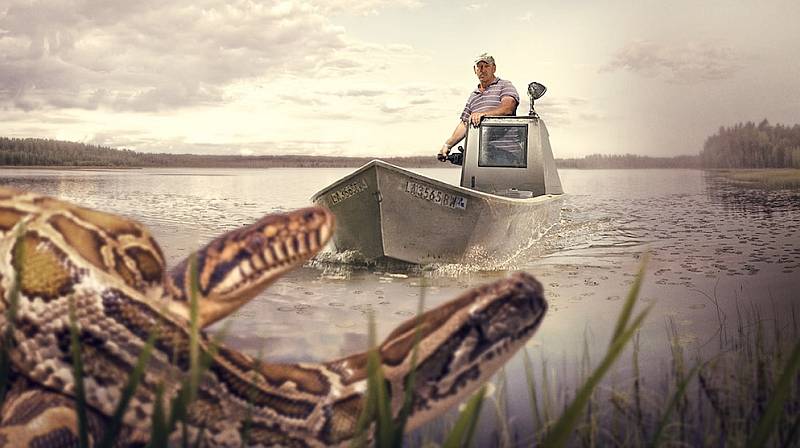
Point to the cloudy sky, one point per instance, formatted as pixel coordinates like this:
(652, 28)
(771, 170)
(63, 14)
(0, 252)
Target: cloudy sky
(380, 78)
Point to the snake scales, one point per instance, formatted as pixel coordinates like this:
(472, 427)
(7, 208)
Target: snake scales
(113, 272)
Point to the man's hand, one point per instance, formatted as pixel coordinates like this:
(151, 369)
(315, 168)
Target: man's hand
(442, 156)
(475, 118)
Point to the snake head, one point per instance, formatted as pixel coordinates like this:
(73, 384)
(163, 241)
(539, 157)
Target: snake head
(235, 267)
(463, 343)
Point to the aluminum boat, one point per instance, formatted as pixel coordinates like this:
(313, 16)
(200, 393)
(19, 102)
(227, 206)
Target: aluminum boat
(510, 193)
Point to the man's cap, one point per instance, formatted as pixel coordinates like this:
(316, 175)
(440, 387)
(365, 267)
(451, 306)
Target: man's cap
(485, 57)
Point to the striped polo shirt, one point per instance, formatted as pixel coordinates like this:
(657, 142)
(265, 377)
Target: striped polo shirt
(490, 98)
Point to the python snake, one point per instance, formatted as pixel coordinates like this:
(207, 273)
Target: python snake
(113, 273)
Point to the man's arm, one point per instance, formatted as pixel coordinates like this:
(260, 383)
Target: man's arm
(458, 133)
(507, 106)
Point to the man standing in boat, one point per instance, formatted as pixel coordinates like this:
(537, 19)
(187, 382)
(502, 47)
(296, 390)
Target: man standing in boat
(494, 96)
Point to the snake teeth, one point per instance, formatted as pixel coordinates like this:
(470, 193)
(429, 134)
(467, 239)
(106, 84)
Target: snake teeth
(277, 250)
(302, 244)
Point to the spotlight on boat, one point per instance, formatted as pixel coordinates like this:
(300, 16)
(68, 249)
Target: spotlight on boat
(535, 91)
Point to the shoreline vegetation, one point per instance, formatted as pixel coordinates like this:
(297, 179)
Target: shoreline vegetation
(742, 146)
(56, 154)
(767, 177)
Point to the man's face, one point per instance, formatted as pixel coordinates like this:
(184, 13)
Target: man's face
(484, 71)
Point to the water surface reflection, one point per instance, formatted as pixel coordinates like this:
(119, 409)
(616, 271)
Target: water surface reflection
(710, 244)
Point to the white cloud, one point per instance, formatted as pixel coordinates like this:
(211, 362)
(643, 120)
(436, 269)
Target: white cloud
(147, 55)
(183, 145)
(473, 7)
(687, 64)
(247, 75)
(363, 7)
(562, 111)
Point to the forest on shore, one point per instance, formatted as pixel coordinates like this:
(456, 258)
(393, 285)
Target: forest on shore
(744, 145)
(56, 153)
(605, 161)
(747, 145)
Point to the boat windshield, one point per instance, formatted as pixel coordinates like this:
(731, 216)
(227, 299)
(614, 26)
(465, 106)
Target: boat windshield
(503, 145)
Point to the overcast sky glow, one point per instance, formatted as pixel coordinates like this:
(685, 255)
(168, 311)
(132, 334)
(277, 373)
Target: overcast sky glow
(389, 78)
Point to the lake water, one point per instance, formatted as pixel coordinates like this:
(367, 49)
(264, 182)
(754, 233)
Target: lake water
(707, 240)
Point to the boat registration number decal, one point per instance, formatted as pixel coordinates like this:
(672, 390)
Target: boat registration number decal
(436, 196)
(348, 191)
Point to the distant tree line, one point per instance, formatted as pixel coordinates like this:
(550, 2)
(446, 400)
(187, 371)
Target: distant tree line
(741, 146)
(599, 161)
(746, 145)
(45, 152)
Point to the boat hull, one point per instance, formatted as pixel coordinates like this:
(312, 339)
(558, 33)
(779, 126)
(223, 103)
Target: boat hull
(384, 211)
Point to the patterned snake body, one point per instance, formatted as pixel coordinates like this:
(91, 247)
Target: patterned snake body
(112, 272)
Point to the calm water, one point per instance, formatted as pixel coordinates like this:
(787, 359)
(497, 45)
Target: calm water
(705, 238)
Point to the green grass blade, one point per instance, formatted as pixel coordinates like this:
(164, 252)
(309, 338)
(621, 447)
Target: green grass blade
(199, 361)
(384, 429)
(530, 379)
(251, 396)
(11, 314)
(132, 384)
(563, 428)
(673, 402)
(179, 407)
(199, 440)
(77, 375)
(772, 413)
(184, 434)
(630, 301)
(792, 436)
(559, 435)
(194, 354)
(159, 434)
(500, 401)
(183, 399)
(384, 423)
(369, 413)
(464, 429)
(547, 396)
(408, 397)
(360, 434)
(194, 322)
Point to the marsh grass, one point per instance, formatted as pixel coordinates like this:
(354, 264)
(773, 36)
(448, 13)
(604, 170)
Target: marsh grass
(464, 428)
(768, 177)
(624, 330)
(746, 395)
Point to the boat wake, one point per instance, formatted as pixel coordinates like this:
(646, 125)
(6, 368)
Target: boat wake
(341, 264)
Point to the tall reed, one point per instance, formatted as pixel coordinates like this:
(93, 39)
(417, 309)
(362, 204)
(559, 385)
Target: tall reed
(747, 395)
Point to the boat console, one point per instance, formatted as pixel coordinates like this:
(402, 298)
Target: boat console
(510, 155)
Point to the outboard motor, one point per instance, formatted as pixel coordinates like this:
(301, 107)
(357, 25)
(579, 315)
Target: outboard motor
(456, 158)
